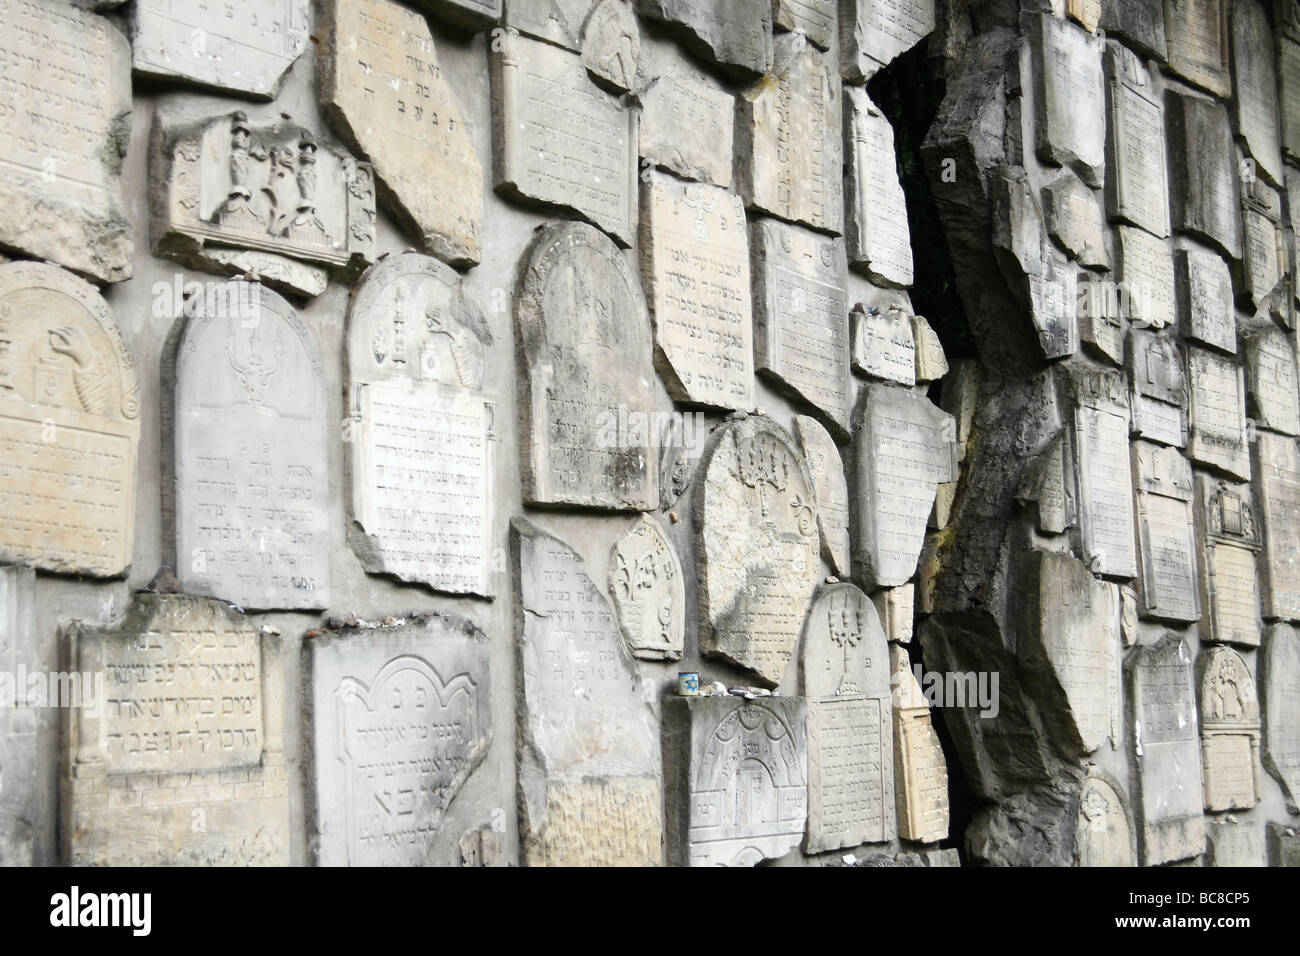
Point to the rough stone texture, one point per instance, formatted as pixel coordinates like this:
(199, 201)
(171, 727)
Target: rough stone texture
(1165, 533)
(814, 18)
(1276, 462)
(1137, 188)
(1230, 730)
(1217, 413)
(230, 197)
(1070, 98)
(822, 457)
(884, 344)
(1103, 478)
(931, 362)
(589, 785)
(1256, 101)
(1288, 49)
(69, 425)
(736, 775)
(687, 127)
(241, 46)
(875, 227)
(897, 610)
(407, 122)
(462, 14)
(1146, 269)
(1279, 679)
(801, 330)
(585, 368)
(845, 676)
(757, 546)
(1283, 845)
(203, 784)
(648, 591)
(558, 22)
(695, 267)
(1104, 835)
(798, 103)
(400, 718)
(559, 140)
(1231, 842)
(1070, 649)
(1272, 399)
(1264, 248)
(1159, 396)
(1166, 751)
(920, 770)
(1074, 219)
(1100, 317)
(1205, 312)
(874, 32)
(1229, 531)
(1140, 22)
(245, 444)
(63, 134)
(1203, 174)
(904, 447)
(734, 34)
(421, 442)
(19, 721)
(1197, 33)
(611, 43)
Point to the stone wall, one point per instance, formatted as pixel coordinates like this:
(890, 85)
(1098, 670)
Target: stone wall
(395, 398)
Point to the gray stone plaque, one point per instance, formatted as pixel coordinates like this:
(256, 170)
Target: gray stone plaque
(1197, 33)
(1256, 101)
(1165, 532)
(876, 233)
(648, 591)
(920, 771)
(1276, 461)
(19, 721)
(734, 34)
(1105, 486)
(874, 32)
(687, 127)
(1203, 173)
(827, 469)
(1104, 835)
(1217, 413)
(1069, 98)
(1230, 730)
(1279, 677)
(1229, 532)
(1136, 177)
(1205, 309)
(1271, 381)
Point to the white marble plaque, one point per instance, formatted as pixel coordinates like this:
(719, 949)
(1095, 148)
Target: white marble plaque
(421, 443)
(1159, 393)
(247, 447)
(1104, 834)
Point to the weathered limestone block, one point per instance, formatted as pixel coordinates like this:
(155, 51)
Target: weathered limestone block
(1048, 488)
(798, 104)
(1070, 98)
(1166, 751)
(897, 609)
(687, 128)
(1264, 248)
(1283, 845)
(1203, 173)
(421, 441)
(1279, 678)
(648, 591)
(246, 495)
(1205, 309)
(1100, 317)
(69, 425)
(19, 721)
(400, 718)
(409, 123)
(734, 34)
(1137, 187)
(1159, 395)
(1233, 842)
(736, 774)
(875, 227)
(1229, 532)
(1102, 476)
(1075, 220)
(1271, 381)
(1168, 582)
(584, 353)
(931, 363)
(1197, 34)
(611, 43)
(1230, 730)
(1146, 268)
(757, 541)
(1288, 55)
(906, 447)
(695, 267)
(1104, 835)
(814, 18)
(801, 329)
(559, 140)
(63, 134)
(231, 198)
(822, 457)
(884, 344)
(589, 790)
(1276, 461)
(1070, 648)
(558, 22)
(1217, 413)
(845, 677)
(874, 32)
(240, 46)
(920, 770)
(201, 783)
(1256, 100)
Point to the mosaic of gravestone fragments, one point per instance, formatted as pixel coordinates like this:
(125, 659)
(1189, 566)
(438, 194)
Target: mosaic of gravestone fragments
(649, 432)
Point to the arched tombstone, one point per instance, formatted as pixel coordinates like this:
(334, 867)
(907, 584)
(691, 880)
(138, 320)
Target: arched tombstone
(1230, 730)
